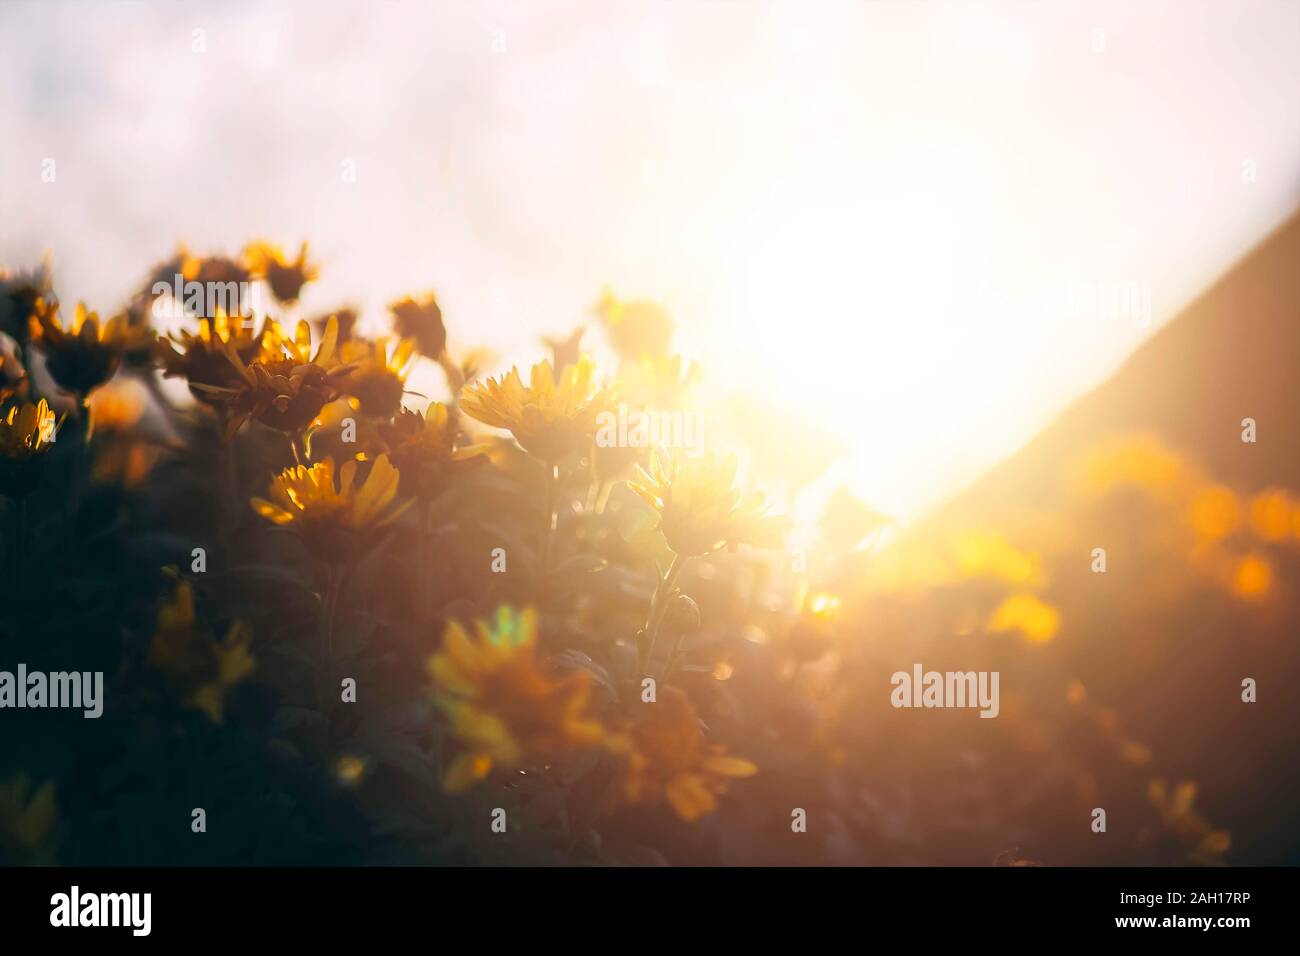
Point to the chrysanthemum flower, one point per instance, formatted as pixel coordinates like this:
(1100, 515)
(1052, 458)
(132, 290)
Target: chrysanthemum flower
(19, 293)
(505, 708)
(549, 420)
(335, 516)
(201, 358)
(345, 317)
(420, 319)
(286, 392)
(202, 668)
(25, 435)
(28, 822)
(635, 329)
(82, 355)
(377, 375)
(423, 447)
(699, 510)
(666, 757)
(11, 380)
(285, 277)
(210, 272)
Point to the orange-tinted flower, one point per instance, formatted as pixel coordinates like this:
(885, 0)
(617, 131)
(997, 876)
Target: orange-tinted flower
(699, 510)
(1029, 614)
(548, 419)
(376, 376)
(505, 707)
(1199, 840)
(1253, 577)
(80, 356)
(421, 319)
(1215, 512)
(635, 329)
(285, 277)
(199, 666)
(25, 435)
(286, 392)
(201, 359)
(335, 516)
(666, 758)
(423, 447)
(1270, 515)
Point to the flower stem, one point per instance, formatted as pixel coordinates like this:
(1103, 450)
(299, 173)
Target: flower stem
(659, 607)
(426, 545)
(552, 516)
(335, 576)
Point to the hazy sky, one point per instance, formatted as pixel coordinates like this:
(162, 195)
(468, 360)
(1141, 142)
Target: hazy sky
(894, 218)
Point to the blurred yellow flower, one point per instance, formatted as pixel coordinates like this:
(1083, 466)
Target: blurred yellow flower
(80, 356)
(285, 277)
(333, 515)
(1253, 577)
(350, 770)
(27, 822)
(635, 329)
(1138, 460)
(420, 319)
(1200, 840)
(665, 757)
(423, 447)
(202, 668)
(657, 381)
(376, 375)
(1270, 515)
(504, 708)
(1215, 512)
(989, 554)
(1027, 613)
(699, 509)
(547, 418)
(117, 406)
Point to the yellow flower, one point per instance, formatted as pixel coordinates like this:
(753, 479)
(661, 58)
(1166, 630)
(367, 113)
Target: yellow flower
(117, 406)
(549, 420)
(286, 278)
(657, 381)
(1270, 514)
(1195, 835)
(26, 431)
(666, 757)
(202, 359)
(80, 356)
(25, 436)
(221, 274)
(201, 668)
(699, 510)
(1253, 577)
(423, 447)
(19, 294)
(503, 706)
(421, 319)
(1025, 612)
(286, 392)
(27, 822)
(334, 517)
(1215, 512)
(635, 328)
(377, 377)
